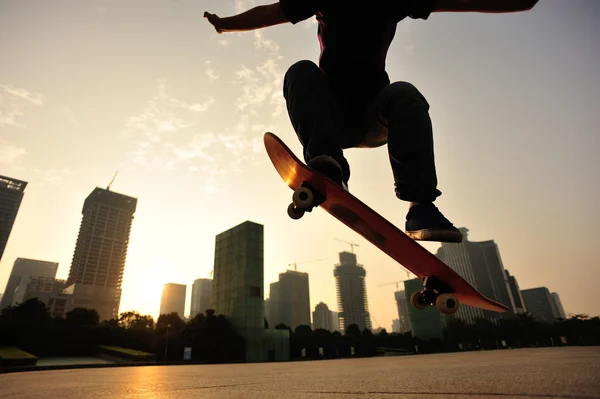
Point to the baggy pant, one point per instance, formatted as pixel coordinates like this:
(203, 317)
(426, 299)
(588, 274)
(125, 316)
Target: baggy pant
(399, 116)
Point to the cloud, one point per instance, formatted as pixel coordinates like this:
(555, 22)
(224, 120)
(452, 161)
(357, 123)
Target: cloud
(13, 103)
(261, 43)
(9, 154)
(211, 73)
(223, 42)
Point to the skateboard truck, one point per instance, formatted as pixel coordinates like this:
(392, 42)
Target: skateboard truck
(435, 293)
(304, 199)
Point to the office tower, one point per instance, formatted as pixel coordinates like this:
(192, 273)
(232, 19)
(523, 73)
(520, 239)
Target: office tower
(335, 321)
(480, 264)
(11, 195)
(515, 291)
(26, 267)
(425, 323)
(403, 318)
(351, 292)
(47, 290)
(173, 299)
(201, 296)
(99, 258)
(540, 304)
(237, 292)
(396, 325)
(323, 318)
(289, 300)
(560, 311)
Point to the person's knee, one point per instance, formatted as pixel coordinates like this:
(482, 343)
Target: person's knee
(300, 73)
(404, 93)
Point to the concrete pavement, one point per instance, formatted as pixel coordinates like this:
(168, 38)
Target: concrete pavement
(566, 372)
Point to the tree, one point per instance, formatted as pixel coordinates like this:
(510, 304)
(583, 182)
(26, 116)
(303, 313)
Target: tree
(82, 317)
(32, 311)
(133, 319)
(172, 320)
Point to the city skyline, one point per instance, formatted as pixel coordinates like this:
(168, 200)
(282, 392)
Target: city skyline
(181, 117)
(294, 307)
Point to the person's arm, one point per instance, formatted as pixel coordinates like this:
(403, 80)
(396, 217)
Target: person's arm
(489, 6)
(255, 18)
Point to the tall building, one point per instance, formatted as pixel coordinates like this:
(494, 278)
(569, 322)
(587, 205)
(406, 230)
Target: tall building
(11, 195)
(560, 311)
(425, 323)
(351, 292)
(173, 299)
(396, 325)
(516, 293)
(237, 292)
(480, 264)
(99, 258)
(201, 296)
(24, 267)
(47, 290)
(289, 300)
(323, 318)
(540, 304)
(403, 315)
(335, 321)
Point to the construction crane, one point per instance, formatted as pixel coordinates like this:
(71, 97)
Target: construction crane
(111, 182)
(295, 264)
(397, 282)
(352, 245)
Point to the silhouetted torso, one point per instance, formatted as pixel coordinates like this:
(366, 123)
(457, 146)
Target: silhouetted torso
(355, 38)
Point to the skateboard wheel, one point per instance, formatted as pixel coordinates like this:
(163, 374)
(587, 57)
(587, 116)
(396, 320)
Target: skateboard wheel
(447, 303)
(294, 213)
(303, 198)
(416, 299)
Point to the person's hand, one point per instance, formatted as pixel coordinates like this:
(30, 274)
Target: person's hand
(214, 21)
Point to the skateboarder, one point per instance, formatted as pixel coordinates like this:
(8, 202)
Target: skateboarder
(348, 101)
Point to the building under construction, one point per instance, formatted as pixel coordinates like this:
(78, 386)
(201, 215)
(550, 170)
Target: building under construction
(351, 292)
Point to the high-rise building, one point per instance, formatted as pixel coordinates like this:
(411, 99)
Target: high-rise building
(515, 291)
(540, 304)
(403, 316)
(201, 296)
(560, 311)
(99, 258)
(173, 299)
(351, 292)
(24, 267)
(237, 291)
(47, 290)
(480, 264)
(37, 287)
(289, 300)
(11, 195)
(323, 318)
(396, 325)
(335, 321)
(425, 323)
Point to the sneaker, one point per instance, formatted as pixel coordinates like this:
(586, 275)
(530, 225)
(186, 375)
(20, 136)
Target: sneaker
(424, 222)
(329, 167)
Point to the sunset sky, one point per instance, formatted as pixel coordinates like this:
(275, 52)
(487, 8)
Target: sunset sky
(149, 89)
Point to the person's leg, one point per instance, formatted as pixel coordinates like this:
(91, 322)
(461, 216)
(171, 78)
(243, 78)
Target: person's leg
(403, 112)
(316, 118)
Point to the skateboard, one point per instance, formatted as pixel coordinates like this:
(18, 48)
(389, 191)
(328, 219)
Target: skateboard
(443, 288)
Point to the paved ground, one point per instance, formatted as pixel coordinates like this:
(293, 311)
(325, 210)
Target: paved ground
(523, 373)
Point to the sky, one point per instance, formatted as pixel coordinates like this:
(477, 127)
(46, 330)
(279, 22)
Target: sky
(149, 89)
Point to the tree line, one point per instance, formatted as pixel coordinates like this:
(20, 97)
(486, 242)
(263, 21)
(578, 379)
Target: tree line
(213, 338)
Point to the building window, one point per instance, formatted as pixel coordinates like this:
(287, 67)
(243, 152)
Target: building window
(254, 291)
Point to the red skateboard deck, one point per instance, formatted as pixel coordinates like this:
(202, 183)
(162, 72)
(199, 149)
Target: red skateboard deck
(365, 221)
